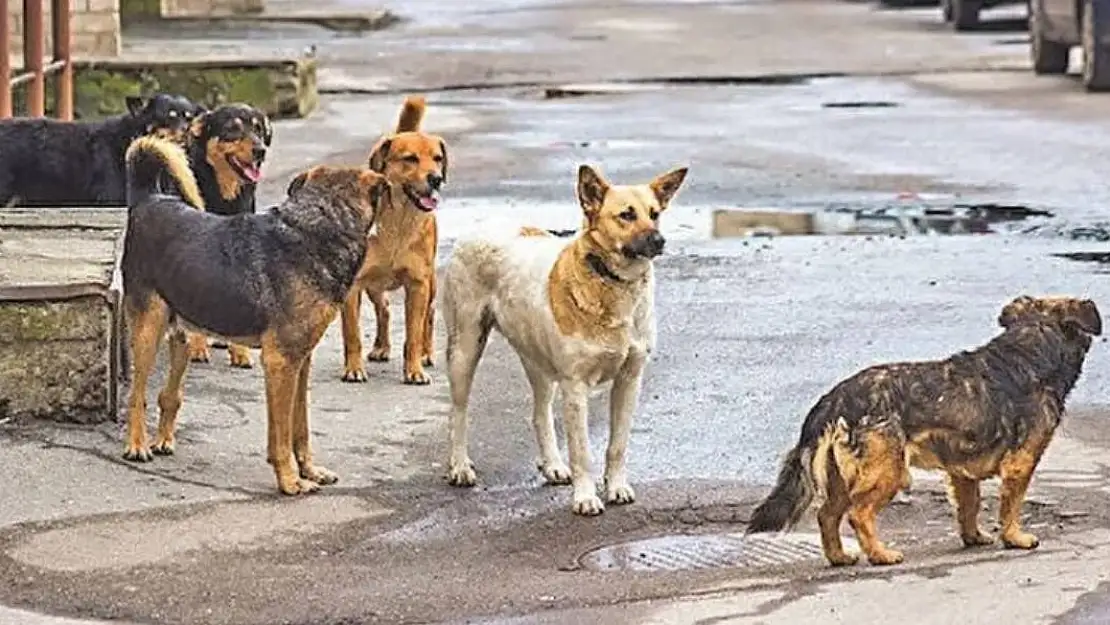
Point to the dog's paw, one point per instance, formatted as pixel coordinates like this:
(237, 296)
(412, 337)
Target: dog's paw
(417, 378)
(297, 486)
(462, 474)
(1020, 540)
(619, 493)
(319, 474)
(354, 374)
(979, 539)
(138, 453)
(198, 353)
(589, 505)
(162, 447)
(842, 559)
(239, 357)
(428, 361)
(554, 473)
(378, 354)
(885, 557)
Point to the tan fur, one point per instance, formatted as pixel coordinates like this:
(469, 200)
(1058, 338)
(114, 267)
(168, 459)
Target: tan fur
(402, 251)
(178, 163)
(578, 314)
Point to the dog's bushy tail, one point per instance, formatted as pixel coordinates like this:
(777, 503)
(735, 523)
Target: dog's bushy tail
(803, 475)
(412, 114)
(151, 161)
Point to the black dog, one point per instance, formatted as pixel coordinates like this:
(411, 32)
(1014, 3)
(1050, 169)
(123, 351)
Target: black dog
(46, 162)
(227, 147)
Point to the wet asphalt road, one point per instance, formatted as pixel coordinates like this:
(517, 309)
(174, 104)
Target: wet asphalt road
(750, 331)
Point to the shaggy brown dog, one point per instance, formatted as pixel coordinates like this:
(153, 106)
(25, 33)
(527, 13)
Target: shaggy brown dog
(402, 251)
(272, 281)
(982, 413)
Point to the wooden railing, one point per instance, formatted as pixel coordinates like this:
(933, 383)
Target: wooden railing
(35, 69)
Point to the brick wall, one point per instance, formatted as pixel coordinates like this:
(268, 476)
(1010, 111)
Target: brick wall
(203, 8)
(96, 28)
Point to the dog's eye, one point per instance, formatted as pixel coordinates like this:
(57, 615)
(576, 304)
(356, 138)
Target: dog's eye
(412, 158)
(173, 113)
(629, 214)
(654, 215)
(438, 158)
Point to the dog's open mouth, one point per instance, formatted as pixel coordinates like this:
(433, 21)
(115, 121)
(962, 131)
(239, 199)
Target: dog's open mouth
(247, 170)
(426, 203)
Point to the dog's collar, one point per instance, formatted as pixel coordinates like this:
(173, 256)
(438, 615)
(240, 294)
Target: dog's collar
(600, 268)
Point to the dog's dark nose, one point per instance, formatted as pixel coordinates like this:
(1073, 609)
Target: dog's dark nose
(654, 243)
(259, 153)
(435, 181)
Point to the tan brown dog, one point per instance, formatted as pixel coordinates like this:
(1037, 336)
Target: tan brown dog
(981, 413)
(273, 281)
(402, 250)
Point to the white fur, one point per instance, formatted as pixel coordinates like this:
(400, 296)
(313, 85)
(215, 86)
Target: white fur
(502, 284)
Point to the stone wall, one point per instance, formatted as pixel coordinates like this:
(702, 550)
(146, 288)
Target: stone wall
(96, 28)
(209, 8)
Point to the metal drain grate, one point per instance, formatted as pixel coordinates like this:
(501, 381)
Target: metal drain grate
(711, 551)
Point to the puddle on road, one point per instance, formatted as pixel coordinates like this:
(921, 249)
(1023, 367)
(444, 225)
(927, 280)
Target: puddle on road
(708, 551)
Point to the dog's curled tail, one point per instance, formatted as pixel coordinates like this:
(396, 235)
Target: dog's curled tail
(802, 477)
(150, 161)
(412, 114)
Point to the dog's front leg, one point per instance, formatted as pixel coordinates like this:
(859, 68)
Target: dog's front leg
(353, 370)
(282, 385)
(622, 406)
(302, 447)
(586, 501)
(417, 294)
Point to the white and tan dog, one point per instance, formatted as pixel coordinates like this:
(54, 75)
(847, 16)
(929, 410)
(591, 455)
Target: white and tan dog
(578, 313)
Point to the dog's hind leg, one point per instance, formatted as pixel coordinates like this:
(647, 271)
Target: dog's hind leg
(172, 395)
(382, 318)
(874, 468)
(467, 335)
(302, 447)
(550, 464)
(622, 406)
(575, 406)
(965, 496)
(147, 323)
(829, 516)
(353, 370)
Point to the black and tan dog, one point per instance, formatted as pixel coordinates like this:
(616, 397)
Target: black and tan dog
(272, 281)
(227, 148)
(987, 412)
(402, 251)
(47, 162)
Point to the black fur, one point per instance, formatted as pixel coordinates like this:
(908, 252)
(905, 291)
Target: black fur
(46, 162)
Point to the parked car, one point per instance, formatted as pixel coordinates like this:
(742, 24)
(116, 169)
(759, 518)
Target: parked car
(964, 14)
(1057, 25)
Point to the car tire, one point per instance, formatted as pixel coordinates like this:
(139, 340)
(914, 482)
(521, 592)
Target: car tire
(965, 14)
(1096, 58)
(1049, 57)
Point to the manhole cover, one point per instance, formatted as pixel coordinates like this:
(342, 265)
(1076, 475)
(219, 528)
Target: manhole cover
(711, 551)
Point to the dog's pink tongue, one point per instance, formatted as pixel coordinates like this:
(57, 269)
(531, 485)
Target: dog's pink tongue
(253, 173)
(429, 203)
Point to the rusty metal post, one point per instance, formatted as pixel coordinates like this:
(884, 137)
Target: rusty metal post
(5, 61)
(63, 85)
(34, 45)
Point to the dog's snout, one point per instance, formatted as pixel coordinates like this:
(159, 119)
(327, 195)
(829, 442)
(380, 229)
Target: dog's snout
(654, 242)
(435, 181)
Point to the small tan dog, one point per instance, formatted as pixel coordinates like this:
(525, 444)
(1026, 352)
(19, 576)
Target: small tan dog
(402, 250)
(579, 313)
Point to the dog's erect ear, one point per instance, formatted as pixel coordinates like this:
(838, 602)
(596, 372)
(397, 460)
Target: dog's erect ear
(297, 182)
(379, 154)
(592, 188)
(443, 165)
(1015, 310)
(1085, 316)
(666, 186)
(135, 105)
